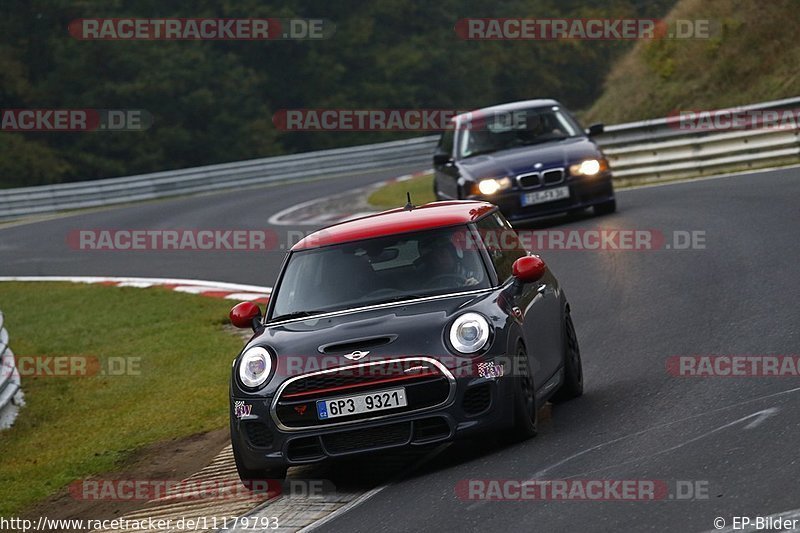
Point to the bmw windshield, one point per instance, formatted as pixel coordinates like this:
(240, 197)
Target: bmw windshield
(380, 270)
(482, 134)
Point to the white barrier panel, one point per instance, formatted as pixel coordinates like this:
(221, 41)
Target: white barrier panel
(10, 392)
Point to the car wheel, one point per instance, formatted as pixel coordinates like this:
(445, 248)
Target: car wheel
(573, 368)
(526, 413)
(606, 208)
(257, 480)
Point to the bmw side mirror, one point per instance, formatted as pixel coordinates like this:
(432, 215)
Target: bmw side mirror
(246, 315)
(528, 269)
(595, 129)
(441, 159)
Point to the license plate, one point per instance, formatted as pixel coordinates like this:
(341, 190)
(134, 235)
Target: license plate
(548, 195)
(361, 403)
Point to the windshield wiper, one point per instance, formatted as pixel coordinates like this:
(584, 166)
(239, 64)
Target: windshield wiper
(401, 298)
(295, 314)
(483, 152)
(540, 140)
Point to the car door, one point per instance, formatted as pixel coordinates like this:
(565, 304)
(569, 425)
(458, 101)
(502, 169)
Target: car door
(537, 302)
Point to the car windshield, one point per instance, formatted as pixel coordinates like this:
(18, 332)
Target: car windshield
(500, 131)
(379, 270)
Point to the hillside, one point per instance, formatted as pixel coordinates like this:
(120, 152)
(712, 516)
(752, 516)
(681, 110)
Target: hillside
(753, 57)
(213, 100)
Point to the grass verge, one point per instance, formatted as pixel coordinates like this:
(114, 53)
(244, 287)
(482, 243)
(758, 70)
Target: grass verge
(394, 194)
(73, 427)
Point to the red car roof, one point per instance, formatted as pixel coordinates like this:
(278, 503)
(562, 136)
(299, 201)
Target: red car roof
(428, 216)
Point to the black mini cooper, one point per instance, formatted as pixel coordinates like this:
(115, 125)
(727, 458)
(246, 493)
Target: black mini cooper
(530, 158)
(409, 327)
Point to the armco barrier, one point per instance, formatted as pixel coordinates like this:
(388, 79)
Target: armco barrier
(10, 393)
(649, 150)
(328, 163)
(658, 149)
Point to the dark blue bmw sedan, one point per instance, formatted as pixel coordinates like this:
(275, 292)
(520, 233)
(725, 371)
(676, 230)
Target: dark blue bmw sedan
(529, 158)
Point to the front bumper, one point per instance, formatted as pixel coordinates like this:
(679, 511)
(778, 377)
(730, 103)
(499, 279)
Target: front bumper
(583, 193)
(261, 441)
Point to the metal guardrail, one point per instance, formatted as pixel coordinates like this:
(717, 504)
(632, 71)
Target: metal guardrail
(658, 149)
(327, 163)
(10, 392)
(648, 150)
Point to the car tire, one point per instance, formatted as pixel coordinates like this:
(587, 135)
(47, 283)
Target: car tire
(249, 476)
(572, 387)
(606, 208)
(526, 412)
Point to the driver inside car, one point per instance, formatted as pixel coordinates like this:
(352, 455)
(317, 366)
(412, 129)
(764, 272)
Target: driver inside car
(441, 265)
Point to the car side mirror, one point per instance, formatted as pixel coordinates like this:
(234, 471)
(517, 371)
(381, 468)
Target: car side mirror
(528, 269)
(595, 129)
(246, 315)
(441, 159)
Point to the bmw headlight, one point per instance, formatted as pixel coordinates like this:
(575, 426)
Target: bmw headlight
(490, 186)
(469, 333)
(590, 167)
(255, 366)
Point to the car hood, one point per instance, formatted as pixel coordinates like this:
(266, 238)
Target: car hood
(516, 161)
(414, 328)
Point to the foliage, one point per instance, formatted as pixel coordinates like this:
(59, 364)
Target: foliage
(213, 101)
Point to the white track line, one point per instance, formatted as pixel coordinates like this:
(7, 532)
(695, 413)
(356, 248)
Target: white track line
(217, 289)
(154, 281)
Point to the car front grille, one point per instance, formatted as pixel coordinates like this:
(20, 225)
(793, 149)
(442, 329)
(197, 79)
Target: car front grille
(258, 434)
(425, 383)
(538, 179)
(551, 177)
(305, 449)
(366, 439)
(477, 399)
(430, 429)
(423, 431)
(530, 180)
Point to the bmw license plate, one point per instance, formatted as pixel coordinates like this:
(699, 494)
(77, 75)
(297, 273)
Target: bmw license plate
(361, 403)
(548, 195)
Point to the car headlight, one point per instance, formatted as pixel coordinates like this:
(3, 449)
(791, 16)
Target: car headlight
(255, 367)
(469, 333)
(590, 167)
(491, 185)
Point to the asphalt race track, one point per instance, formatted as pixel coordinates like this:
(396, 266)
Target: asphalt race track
(740, 294)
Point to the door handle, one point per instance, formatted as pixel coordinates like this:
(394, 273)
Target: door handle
(541, 288)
